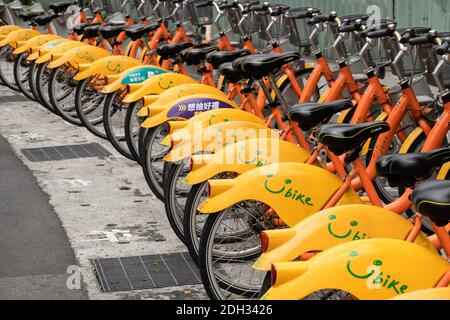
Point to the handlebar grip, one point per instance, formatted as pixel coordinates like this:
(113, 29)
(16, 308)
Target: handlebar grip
(426, 39)
(318, 19)
(350, 27)
(443, 49)
(276, 12)
(204, 4)
(376, 34)
(408, 35)
(227, 6)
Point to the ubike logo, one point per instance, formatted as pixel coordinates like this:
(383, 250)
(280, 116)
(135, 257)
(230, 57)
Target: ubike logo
(86, 56)
(375, 278)
(351, 233)
(288, 192)
(257, 160)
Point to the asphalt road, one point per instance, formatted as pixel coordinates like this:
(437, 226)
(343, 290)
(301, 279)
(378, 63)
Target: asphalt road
(34, 250)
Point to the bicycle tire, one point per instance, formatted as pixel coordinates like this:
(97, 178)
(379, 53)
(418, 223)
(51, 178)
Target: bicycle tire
(109, 109)
(7, 68)
(41, 80)
(69, 115)
(83, 111)
(131, 137)
(154, 179)
(21, 76)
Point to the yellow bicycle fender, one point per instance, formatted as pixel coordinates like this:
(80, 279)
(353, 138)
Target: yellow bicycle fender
(215, 137)
(134, 75)
(185, 108)
(106, 66)
(331, 227)
(207, 118)
(279, 83)
(167, 98)
(36, 50)
(148, 100)
(5, 30)
(156, 85)
(243, 156)
(42, 50)
(58, 50)
(15, 36)
(80, 55)
(382, 117)
(426, 294)
(444, 172)
(406, 146)
(367, 269)
(293, 190)
(37, 41)
(342, 116)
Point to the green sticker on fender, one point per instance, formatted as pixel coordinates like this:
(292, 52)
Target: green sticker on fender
(141, 74)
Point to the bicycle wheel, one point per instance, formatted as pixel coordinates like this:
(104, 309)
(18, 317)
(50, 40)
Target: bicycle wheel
(42, 75)
(416, 146)
(193, 220)
(386, 193)
(31, 80)
(229, 246)
(21, 70)
(61, 92)
(175, 194)
(89, 104)
(152, 158)
(7, 67)
(141, 138)
(132, 128)
(288, 92)
(114, 121)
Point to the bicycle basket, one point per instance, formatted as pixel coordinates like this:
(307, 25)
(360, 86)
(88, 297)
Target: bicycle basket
(385, 50)
(234, 16)
(432, 59)
(146, 8)
(164, 10)
(352, 44)
(263, 18)
(198, 16)
(423, 60)
(296, 27)
(114, 6)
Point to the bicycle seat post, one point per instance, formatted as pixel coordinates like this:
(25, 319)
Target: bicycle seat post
(272, 103)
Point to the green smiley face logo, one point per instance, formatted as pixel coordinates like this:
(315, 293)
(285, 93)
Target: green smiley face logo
(169, 85)
(340, 236)
(280, 190)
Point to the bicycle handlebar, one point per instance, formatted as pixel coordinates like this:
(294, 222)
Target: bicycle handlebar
(355, 26)
(412, 33)
(235, 3)
(204, 4)
(429, 38)
(377, 34)
(321, 19)
(444, 48)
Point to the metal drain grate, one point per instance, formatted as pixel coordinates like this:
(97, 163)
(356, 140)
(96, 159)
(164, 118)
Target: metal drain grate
(14, 98)
(65, 152)
(146, 272)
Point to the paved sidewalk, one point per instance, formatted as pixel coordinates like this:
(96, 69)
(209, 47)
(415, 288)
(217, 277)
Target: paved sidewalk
(34, 249)
(102, 205)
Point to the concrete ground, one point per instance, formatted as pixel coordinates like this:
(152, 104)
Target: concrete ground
(56, 215)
